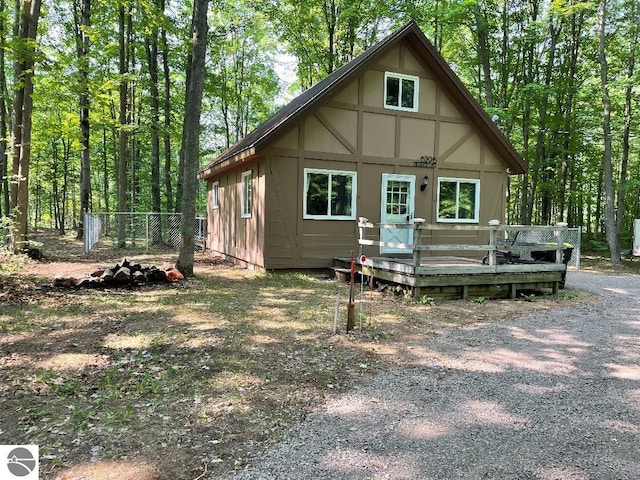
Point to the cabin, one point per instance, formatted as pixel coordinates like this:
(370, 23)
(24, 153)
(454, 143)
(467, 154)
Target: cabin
(391, 137)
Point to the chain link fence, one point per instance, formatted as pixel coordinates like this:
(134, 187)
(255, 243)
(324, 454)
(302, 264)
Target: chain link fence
(572, 237)
(147, 230)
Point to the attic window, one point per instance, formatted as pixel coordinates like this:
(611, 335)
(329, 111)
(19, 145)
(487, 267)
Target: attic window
(401, 91)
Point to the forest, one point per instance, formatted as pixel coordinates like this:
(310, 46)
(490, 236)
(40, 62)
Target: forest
(104, 84)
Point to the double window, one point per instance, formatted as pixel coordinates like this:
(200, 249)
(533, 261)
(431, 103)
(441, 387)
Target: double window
(247, 194)
(329, 194)
(458, 200)
(401, 91)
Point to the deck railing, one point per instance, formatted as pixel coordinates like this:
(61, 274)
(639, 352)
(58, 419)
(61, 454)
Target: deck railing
(498, 242)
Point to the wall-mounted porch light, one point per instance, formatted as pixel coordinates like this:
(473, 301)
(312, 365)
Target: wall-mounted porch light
(425, 182)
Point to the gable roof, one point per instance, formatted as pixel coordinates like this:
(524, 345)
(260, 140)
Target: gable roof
(291, 113)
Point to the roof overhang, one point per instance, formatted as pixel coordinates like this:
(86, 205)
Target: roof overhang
(227, 164)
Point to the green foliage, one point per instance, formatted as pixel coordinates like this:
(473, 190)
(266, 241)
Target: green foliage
(10, 264)
(426, 300)
(479, 300)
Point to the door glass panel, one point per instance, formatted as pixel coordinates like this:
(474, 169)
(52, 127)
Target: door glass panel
(397, 197)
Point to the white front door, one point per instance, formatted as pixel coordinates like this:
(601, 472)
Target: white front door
(397, 207)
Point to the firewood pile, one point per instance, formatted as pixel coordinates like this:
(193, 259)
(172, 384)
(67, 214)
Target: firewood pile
(123, 274)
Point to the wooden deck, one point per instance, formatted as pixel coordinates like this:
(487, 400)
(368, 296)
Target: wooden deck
(460, 277)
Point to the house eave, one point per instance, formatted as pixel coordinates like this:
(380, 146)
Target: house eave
(227, 164)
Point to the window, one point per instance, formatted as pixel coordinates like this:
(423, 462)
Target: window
(247, 191)
(401, 91)
(215, 199)
(329, 194)
(458, 200)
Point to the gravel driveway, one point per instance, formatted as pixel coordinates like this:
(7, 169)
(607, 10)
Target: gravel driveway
(554, 395)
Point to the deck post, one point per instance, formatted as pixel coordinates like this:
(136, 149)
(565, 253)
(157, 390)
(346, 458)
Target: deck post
(493, 235)
(361, 227)
(562, 226)
(417, 241)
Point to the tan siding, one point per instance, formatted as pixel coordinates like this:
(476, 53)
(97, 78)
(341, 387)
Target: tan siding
(447, 108)
(490, 160)
(468, 152)
(427, 99)
(344, 121)
(288, 140)
(416, 138)
(391, 59)
(373, 92)
(349, 94)
(379, 134)
(450, 135)
(410, 62)
(493, 190)
(318, 138)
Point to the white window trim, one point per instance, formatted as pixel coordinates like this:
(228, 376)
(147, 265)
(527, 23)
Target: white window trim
(458, 181)
(354, 190)
(215, 195)
(416, 91)
(246, 201)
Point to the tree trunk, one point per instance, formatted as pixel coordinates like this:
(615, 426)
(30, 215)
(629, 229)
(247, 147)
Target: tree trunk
(609, 210)
(151, 48)
(180, 184)
(82, 21)
(22, 110)
(4, 120)
(167, 118)
(122, 153)
(482, 34)
(191, 139)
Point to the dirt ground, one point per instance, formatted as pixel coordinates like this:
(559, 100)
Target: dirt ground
(193, 379)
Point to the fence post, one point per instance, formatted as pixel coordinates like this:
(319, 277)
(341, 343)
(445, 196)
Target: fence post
(147, 231)
(85, 231)
(579, 246)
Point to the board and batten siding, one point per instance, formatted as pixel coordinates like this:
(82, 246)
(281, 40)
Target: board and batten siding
(230, 233)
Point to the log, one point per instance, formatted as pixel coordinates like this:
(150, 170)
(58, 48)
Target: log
(156, 275)
(60, 281)
(173, 274)
(123, 275)
(138, 277)
(107, 275)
